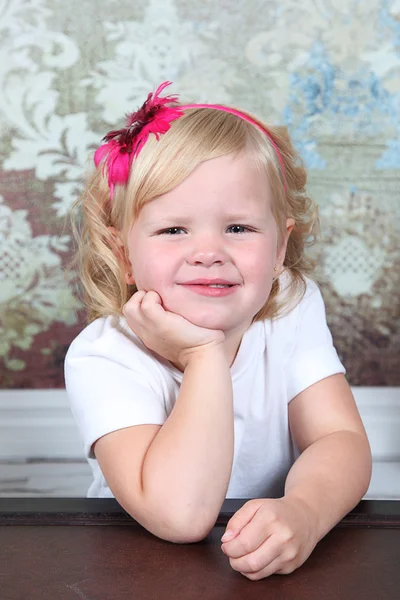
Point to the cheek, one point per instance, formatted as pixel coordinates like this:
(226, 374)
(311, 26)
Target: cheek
(262, 268)
(152, 270)
(258, 263)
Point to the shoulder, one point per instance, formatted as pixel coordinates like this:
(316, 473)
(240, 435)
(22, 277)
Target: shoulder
(302, 328)
(113, 381)
(296, 307)
(110, 338)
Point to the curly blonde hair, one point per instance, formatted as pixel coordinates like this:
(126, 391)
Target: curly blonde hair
(198, 135)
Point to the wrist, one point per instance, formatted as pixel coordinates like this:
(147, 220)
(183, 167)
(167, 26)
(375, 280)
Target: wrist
(202, 353)
(310, 516)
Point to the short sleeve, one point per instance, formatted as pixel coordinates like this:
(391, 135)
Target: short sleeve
(313, 356)
(109, 387)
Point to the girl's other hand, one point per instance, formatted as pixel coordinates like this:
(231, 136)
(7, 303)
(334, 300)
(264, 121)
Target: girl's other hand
(166, 333)
(270, 535)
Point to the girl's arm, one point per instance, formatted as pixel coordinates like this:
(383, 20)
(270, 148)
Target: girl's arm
(334, 470)
(188, 466)
(173, 478)
(328, 479)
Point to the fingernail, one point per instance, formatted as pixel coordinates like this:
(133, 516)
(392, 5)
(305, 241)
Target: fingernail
(228, 535)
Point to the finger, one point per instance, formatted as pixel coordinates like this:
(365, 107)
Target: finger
(152, 306)
(150, 299)
(266, 559)
(248, 541)
(138, 297)
(276, 567)
(133, 304)
(152, 296)
(240, 519)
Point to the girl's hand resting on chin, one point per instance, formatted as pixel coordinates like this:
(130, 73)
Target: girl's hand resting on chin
(166, 333)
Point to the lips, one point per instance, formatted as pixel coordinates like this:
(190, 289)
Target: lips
(216, 281)
(213, 291)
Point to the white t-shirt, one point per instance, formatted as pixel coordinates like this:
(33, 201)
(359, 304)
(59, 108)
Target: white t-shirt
(113, 381)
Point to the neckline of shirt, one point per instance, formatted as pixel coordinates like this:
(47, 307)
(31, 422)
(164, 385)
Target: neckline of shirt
(251, 345)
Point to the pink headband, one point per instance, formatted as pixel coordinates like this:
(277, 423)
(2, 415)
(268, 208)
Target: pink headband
(123, 145)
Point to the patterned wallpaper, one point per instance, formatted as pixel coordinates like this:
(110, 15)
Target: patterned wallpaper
(328, 69)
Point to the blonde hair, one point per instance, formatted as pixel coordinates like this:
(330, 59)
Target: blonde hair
(198, 135)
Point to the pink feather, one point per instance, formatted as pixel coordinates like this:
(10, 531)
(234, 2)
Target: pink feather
(125, 144)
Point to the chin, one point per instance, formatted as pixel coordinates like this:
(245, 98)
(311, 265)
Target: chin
(208, 321)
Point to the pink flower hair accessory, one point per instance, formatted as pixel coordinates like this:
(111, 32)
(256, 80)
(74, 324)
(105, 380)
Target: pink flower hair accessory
(154, 116)
(123, 145)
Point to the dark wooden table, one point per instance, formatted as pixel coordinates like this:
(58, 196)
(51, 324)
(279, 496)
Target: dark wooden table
(68, 548)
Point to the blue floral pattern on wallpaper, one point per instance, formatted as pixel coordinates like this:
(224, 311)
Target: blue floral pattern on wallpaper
(331, 95)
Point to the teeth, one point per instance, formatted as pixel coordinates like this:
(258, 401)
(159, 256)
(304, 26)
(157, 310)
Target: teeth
(218, 285)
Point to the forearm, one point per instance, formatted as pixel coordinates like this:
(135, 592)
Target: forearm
(188, 466)
(331, 476)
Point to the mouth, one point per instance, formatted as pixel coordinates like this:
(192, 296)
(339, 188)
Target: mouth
(216, 282)
(212, 285)
(214, 290)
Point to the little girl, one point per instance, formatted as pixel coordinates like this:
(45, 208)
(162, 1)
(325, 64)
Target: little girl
(207, 370)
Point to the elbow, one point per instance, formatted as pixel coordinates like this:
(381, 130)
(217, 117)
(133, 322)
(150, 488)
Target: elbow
(369, 467)
(185, 523)
(365, 465)
(179, 533)
(187, 537)
(173, 527)
(190, 530)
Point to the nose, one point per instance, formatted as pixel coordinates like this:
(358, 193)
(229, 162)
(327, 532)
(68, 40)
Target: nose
(207, 250)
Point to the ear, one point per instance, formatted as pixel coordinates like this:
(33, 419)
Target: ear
(290, 223)
(118, 248)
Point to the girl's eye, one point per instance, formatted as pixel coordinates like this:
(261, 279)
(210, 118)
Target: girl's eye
(174, 229)
(240, 227)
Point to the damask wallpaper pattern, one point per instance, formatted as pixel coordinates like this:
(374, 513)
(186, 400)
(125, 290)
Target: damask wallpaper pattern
(328, 69)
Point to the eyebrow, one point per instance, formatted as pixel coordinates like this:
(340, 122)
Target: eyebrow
(183, 219)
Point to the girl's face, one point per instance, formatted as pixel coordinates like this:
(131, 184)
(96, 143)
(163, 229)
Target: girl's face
(217, 224)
